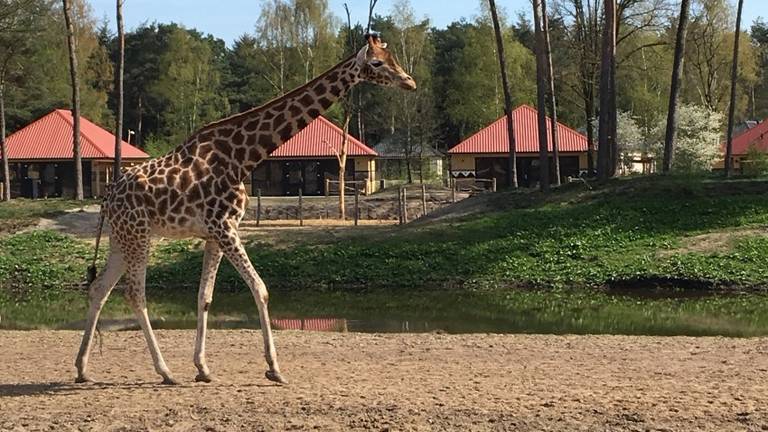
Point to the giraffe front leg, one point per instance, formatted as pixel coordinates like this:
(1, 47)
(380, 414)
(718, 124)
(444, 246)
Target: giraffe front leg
(235, 253)
(211, 261)
(98, 293)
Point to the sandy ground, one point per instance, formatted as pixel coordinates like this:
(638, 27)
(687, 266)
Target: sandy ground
(391, 382)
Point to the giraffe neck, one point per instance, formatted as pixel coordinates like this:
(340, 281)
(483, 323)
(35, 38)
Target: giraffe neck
(235, 145)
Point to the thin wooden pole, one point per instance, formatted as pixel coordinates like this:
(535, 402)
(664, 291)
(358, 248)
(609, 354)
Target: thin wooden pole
(357, 203)
(119, 89)
(405, 205)
(301, 207)
(423, 200)
(258, 207)
(732, 104)
(400, 205)
(453, 190)
(494, 183)
(327, 195)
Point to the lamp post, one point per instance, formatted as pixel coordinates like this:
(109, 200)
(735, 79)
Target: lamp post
(130, 132)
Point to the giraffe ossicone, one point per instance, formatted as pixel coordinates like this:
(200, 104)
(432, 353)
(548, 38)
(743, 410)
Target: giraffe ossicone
(197, 190)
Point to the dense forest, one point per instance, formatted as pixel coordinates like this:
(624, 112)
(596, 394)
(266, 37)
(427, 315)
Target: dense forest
(177, 78)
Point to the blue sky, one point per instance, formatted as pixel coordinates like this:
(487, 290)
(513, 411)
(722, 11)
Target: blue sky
(228, 19)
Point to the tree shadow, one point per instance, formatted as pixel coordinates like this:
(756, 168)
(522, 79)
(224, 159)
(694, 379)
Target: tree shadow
(71, 388)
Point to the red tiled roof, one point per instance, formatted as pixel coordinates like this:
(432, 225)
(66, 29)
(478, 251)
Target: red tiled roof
(758, 136)
(50, 137)
(494, 138)
(319, 139)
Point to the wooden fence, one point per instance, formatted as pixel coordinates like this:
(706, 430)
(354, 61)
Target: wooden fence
(409, 202)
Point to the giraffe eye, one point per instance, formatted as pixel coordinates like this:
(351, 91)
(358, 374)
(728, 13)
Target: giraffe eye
(376, 63)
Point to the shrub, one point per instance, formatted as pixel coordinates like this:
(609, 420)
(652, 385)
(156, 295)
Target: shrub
(755, 163)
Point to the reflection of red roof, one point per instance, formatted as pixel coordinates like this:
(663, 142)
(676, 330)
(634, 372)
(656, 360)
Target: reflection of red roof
(758, 136)
(311, 324)
(319, 139)
(494, 138)
(50, 137)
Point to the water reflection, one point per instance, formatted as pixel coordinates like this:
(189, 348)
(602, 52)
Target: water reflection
(315, 324)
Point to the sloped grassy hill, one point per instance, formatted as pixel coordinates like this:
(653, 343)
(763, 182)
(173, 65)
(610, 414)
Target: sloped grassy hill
(630, 230)
(529, 262)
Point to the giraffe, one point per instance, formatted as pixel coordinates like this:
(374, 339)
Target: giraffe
(197, 190)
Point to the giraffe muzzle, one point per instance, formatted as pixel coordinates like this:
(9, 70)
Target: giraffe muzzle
(407, 83)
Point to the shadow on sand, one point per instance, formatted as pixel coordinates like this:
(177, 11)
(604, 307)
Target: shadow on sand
(67, 388)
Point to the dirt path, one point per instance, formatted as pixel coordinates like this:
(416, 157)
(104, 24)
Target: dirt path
(393, 382)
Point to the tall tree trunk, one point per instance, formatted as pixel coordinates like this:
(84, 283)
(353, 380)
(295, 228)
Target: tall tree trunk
(3, 149)
(607, 122)
(551, 89)
(508, 107)
(732, 105)
(541, 96)
(139, 134)
(584, 39)
(589, 111)
(119, 90)
(342, 157)
(674, 90)
(75, 100)
(613, 118)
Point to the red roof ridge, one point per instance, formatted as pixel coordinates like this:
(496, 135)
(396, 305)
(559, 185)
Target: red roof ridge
(492, 139)
(320, 138)
(748, 137)
(50, 137)
(83, 135)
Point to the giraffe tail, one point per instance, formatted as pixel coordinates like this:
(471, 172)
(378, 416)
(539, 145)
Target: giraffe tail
(92, 268)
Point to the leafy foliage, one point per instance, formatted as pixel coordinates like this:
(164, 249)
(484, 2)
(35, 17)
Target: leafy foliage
(755, 162)
(698, 139)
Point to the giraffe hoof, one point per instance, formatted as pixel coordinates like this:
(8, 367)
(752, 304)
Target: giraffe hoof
(205, 378)
(169, 381)
(83, 379)
(275, 377)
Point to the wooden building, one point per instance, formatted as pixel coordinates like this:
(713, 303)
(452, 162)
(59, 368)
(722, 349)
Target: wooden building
(485, 155)
(41, 160)
(309, 158)
(749, 134)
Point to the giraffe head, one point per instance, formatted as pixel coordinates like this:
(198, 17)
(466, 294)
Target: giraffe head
(379, 66)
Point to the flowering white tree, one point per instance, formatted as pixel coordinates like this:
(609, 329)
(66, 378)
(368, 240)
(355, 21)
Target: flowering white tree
(630, 138)
(629, 135)
(698, 139)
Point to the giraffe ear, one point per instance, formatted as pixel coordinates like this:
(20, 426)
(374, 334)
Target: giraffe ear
(362, 56)
(383, 45)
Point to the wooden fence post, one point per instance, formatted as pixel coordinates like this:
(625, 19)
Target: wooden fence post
(301, 207)
(357, 203)
(423, 200)
(405, 205)
(327, 195)
(258, 207)
(453, 190)
(493, 187)
(400, 205)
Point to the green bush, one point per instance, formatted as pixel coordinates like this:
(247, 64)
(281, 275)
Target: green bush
(755, 162)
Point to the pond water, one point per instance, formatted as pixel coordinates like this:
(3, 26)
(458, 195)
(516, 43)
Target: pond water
(309, 324)
(627, 312)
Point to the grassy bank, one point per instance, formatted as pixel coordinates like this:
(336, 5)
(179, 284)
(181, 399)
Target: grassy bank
(25, 213)
(521, 260)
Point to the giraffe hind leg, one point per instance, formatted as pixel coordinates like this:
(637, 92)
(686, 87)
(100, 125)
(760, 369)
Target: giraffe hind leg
(98, 293)
(135, 295)
(211, 262)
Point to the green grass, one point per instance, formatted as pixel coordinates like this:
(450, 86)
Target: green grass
(535, 263)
